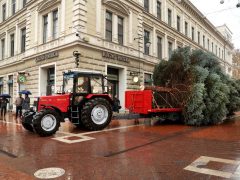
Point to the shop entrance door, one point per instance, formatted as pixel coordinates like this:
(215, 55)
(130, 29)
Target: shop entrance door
(113, 78)
(51, 81)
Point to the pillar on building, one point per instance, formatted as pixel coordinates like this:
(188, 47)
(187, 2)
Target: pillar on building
(115, 28)
(166, 46)
(49, 35)
(98, 16)
(130, 28)
(63, 10)
(154, 44)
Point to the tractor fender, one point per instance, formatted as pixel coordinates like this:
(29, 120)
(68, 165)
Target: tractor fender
(61, 114)
(105, 96)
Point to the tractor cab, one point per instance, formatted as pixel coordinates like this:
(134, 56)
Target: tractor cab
(83, 83)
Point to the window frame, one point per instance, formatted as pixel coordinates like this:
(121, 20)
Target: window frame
(23, 40)
(186, 28)
(146, 5)
(12, 44)
(169, 17)
(159, 47)
(121, 35)
(146, 40)
(193, 33)
(55, 26)
(13, 7)
(110, 30)
(170, 50)
(159, 10)
(178, 23)
(3, 48)
(4, 10)
(45, 28)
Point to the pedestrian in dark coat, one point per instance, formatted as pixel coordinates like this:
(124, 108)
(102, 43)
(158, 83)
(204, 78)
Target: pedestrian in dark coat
(4, 102)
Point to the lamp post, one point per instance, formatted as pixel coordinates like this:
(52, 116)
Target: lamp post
(136, 77)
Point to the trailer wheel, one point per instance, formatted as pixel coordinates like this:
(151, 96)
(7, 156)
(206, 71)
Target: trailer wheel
(27, 126)
(46, 122)
(96, 114)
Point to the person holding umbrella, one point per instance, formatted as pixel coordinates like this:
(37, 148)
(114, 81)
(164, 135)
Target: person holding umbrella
(19, 104)
(26, 102)
(4, 102)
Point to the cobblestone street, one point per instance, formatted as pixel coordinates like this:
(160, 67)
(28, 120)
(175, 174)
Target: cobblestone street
(127, 149)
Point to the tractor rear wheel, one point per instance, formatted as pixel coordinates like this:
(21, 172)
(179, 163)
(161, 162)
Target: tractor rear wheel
(46, 122)
(96, 114)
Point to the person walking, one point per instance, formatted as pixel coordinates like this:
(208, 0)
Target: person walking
(26, 102)
(19, 104)
(4, 102)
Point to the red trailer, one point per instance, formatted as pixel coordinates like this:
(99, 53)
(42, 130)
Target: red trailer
(144, 103)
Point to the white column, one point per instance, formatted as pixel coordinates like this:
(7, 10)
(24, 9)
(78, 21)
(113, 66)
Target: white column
(17, 6)
(8, 8)
(183, 24)
(98, 16)
(154, 44)
(7, 45)
(154, 7)
(165, 51)
(63, 10)
(164, 8)
(115, 28)
(140, 2)
(190, 28)
(49, 26)
(36, 27)
(130, 25)
(174, 44)
(17, 41)
(174, 17)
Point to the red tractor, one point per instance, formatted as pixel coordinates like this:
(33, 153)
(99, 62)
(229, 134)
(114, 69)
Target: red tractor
(83, 101)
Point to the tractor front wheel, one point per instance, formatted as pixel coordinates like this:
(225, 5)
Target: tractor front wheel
(96, 114)
(46, 122)
(27, 127)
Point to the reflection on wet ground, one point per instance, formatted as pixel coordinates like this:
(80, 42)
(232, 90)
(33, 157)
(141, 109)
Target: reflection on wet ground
(127, 149)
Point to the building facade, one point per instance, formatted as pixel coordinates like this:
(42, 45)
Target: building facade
(123, 39)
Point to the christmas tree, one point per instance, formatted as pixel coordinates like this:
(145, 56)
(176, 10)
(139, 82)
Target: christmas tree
(211, 94)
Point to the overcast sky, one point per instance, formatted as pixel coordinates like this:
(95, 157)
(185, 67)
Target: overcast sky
(215, 12)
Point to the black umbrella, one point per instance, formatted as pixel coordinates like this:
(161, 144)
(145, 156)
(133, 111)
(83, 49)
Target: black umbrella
(25, 92)
(5, 95)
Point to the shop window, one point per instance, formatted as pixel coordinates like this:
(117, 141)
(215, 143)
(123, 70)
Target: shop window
(148, 79)
(51, 81)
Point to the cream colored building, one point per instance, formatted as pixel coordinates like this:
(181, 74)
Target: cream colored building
(38, 37)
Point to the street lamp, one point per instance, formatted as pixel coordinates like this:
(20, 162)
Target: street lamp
(136, 77)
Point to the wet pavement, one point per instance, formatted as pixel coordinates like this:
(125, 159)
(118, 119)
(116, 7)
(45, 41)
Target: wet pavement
(127, 149)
